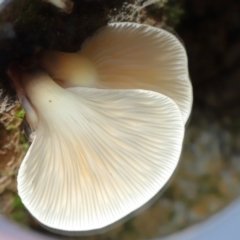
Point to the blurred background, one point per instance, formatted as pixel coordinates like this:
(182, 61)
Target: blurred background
(208, 176)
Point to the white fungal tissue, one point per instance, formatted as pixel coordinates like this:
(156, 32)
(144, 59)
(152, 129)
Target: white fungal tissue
(109, 123)
(64, 5)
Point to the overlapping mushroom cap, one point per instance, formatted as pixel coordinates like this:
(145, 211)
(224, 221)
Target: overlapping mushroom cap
(109, 128)
(127, 55)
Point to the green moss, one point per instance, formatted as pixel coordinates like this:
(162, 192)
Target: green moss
(18, 213)
(170, 12)
(19, 113)
(24, 142)
(17, 203)
(174, 13)
(11, 127)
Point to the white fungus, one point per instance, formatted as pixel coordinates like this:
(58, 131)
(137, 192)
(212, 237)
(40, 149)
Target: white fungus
(109, 128)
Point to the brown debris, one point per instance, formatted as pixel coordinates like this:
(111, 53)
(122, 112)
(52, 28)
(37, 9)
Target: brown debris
(11, 152)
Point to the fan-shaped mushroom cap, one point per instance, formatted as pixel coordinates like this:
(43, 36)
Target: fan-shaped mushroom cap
(98, 154)
(136, 56)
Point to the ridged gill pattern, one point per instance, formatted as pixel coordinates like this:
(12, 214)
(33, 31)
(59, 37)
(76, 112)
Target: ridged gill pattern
(100, 156)
(138, 56)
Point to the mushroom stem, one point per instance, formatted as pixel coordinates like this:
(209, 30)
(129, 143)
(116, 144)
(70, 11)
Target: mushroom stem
(37, 93)
(64, 67)
(39, 87)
